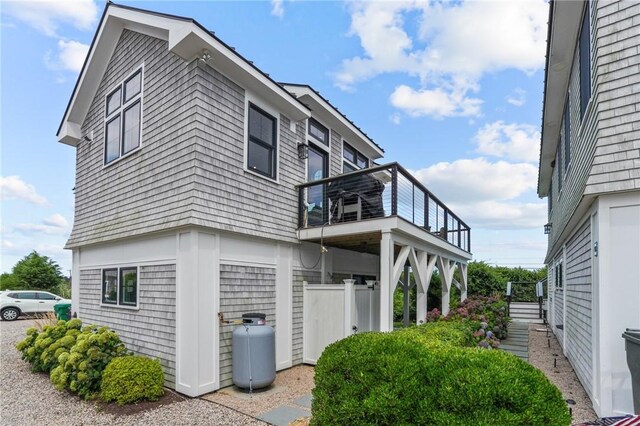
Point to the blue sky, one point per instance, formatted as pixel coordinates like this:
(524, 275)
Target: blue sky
(452, 91)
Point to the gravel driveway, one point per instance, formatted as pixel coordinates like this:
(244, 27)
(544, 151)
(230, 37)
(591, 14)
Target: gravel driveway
(28, 399)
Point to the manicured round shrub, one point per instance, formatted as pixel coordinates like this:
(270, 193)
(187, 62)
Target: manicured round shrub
(80, 368)
(394, 378)
(131, 379)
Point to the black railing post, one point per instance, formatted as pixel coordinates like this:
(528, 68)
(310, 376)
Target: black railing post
(394, 190)
(300, 207)
(459, 234)
(446, 223)
(426, 212)
(469, 239)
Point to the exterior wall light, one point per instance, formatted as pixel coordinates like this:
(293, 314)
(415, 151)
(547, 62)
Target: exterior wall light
(303, 151)
(547, 228)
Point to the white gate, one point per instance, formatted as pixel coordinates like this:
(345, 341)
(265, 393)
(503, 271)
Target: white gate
(334, 311)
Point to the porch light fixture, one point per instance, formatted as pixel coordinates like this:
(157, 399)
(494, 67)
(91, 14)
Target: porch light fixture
(303, 151)
(547, 228)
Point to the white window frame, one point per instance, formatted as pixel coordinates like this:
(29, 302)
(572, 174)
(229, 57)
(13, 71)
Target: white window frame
(248, 101)
(120, 113)
(119, 305)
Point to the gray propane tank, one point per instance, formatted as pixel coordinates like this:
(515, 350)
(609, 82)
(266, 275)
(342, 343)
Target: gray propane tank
(253, 353)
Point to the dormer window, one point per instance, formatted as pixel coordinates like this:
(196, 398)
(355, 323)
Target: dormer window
(123, 118)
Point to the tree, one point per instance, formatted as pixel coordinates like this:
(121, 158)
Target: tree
(8, 282)
(35, 271)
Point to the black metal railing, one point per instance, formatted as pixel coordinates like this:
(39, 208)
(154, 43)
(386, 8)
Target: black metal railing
(380, 191)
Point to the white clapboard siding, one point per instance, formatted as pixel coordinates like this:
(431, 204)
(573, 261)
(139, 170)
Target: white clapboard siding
(579, 304)
(299, 276)
(243, 289)
(149, 330)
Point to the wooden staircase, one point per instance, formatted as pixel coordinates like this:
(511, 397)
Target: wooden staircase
(527, 312)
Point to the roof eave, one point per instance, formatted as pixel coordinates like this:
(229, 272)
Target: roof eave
(347, 128)
(187, 39)
(564, 28)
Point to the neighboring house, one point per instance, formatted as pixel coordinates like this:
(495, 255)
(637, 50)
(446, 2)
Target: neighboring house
(590, 172)
(192, 204)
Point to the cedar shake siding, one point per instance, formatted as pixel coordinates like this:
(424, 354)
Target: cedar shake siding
(149, 330)
(243, 289)
(312, 277)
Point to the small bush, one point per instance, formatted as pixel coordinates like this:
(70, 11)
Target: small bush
(40, 348)
(131, 379)
(394, 378)
(80, 368)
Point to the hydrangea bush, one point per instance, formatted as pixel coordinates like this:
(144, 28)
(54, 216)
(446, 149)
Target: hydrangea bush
(41, 349)
(80, 368)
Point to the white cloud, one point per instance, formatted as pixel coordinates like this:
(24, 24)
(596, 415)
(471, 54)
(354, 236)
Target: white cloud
(456, 44)
(70, 56)
(55, 224)
(485, 194)
(475, 180)
(502, 215)
(47, 15)
(276, 8)
(518, 97)
(395, 118)
(437, 103)
(518, 142)
(13, 188)
(7, 244)
(56, 220)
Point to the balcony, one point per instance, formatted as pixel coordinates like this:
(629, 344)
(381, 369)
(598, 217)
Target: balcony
(364, 202)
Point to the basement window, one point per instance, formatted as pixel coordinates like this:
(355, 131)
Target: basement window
(123, 118)
(120, 287)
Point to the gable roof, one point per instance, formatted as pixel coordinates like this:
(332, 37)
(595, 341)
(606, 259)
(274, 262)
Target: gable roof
(341, 122)
(186, 38)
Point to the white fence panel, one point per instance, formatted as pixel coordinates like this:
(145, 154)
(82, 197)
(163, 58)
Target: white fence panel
(367, 308)
(324, 307)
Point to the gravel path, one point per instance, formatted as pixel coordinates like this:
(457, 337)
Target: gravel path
(29, 399)
(542, 352)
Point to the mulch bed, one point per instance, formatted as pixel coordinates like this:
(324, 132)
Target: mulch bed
(126, 410)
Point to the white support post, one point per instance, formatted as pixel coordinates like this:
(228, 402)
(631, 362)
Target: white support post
(426, 264)
(446, 276)
(398, 266)
(462, 269)
(349, 307)
(386, 279)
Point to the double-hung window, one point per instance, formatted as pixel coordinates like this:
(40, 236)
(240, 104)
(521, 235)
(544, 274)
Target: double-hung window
(120, 286)
(353, 160)
(123, 118)
(262, 144)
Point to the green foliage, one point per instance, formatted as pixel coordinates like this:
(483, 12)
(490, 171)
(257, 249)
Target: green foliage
(9, 282)
(395, 378)
(486, 280)
(41, 349)
(444, 333)
(131, 379)
(80, 368)
(36, 272)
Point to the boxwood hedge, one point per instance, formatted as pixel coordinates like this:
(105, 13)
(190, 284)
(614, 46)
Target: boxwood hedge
(397, 379)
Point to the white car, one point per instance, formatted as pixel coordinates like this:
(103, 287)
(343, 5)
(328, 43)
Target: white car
(14, 303)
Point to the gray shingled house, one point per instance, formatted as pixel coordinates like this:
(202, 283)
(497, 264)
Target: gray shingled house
(204, 190)
(590, 173)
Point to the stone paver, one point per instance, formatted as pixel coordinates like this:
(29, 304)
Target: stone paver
(282, 416)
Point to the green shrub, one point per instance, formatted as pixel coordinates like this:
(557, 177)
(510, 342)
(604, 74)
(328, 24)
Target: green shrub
(450, 333)
(131, 379)
(40, 348)
(394, 378)
(80, 368)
